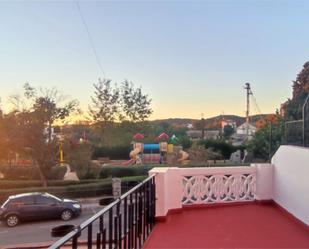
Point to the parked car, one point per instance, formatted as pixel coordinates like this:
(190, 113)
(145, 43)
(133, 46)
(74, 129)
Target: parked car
(37, 206)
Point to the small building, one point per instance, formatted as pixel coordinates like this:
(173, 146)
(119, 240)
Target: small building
(244, 132)
(246, 129)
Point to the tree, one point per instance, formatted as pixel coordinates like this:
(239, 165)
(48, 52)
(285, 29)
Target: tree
(135, 104)
(220, 146)
(199, 154)
(32, 124)
(267, 139)
(78, 156)
(293, 107)
(105, 102)
(228, 131)
(8, 141)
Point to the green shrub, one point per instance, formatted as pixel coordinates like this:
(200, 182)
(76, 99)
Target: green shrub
(76, 189)
(11, 184)
(57, 172)
(90, 172)
(123, 171)
(20, 172)
(116, 152)
(224, 148)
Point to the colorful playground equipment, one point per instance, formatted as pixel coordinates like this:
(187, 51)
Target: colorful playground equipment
(160, 152)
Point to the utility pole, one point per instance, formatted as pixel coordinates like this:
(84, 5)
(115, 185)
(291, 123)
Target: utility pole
(203, 125)
(249, 92)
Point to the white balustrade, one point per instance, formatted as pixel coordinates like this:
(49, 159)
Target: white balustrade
(178, 187)
(218, 188)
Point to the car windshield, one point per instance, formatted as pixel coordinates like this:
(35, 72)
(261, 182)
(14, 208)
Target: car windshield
(52, 196)
(4, 204)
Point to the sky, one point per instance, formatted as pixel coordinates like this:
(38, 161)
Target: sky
(190, 57)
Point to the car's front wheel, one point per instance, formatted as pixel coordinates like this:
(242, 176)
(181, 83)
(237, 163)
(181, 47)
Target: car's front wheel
(66, 214)
(12, 220)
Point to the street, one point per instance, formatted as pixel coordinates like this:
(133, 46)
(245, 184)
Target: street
(39, 231)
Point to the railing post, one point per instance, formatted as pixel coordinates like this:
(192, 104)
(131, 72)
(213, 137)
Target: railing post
(110, 229)
(125, 222)
(161, 187)
(264, 181)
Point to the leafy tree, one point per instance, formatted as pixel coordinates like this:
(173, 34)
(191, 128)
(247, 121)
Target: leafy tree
(228, 131)
(9, 133)
(32, 124)
(220, 146)
(267, 140)
(293, 107)
(105, 102)
(198, 153)
(136, 105)
(185, 142)
(78, 156)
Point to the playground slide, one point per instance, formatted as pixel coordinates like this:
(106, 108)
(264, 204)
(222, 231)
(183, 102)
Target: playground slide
(134, 153)
(184, 156)
(133, 156)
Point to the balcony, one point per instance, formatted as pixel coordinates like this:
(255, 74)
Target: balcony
(258, 206)
(261, 206)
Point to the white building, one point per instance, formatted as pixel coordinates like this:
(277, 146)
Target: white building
(246, 129)
(241, 134)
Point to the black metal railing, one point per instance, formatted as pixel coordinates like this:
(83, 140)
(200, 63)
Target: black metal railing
(297, 131)
(294, 132)
(125, 223)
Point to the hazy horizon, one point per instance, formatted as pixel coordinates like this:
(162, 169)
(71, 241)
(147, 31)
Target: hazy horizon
(191, 57)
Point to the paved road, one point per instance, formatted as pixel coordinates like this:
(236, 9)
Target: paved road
(39, 231)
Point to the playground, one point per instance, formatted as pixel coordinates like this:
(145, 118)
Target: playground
(164, 150)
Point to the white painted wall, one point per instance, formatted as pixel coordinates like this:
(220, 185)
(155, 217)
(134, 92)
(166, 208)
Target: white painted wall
(264, 181)
(291, 180)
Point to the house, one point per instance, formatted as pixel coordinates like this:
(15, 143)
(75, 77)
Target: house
(244, 132)
(246, 129)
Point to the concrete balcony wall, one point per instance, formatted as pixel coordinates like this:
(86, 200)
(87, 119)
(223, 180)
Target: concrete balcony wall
(264, 181)
(176, 187)
(291, 180)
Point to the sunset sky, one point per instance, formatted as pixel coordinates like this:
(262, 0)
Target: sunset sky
(191, 57)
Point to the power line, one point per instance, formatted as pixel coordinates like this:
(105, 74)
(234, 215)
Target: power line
(90, 39)
(257, 107)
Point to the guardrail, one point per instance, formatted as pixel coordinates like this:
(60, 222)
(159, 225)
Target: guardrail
(125, 223)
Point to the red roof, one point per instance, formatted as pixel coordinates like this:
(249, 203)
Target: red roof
(162, 136)
(138, 136)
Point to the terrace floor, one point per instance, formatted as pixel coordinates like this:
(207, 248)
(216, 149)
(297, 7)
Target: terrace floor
(233, 226)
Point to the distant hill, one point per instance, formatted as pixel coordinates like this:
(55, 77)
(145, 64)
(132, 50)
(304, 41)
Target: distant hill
(210, 123)
(175, 121)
